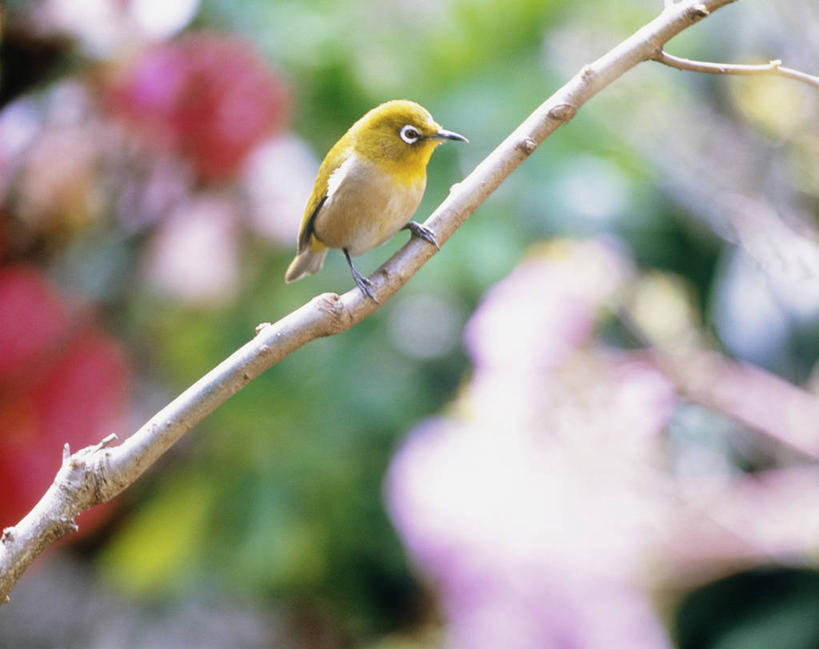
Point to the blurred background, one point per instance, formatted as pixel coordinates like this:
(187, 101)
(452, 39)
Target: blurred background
(495, 458)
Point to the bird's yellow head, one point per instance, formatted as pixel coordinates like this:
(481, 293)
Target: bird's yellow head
(399, 136)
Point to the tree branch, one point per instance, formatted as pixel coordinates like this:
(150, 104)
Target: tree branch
(772, 67)
(97, 474)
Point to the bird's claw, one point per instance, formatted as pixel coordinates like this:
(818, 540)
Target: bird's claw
(422, 232)
(365, 285)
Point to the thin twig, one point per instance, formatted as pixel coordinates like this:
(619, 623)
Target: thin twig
(772, 67)
(97, 474)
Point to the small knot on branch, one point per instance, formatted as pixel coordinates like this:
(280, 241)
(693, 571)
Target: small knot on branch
(69, 524)
(527, 145)
(8, 535)
(332, 305)
(562, 112)
(700, 11)
(262, 326)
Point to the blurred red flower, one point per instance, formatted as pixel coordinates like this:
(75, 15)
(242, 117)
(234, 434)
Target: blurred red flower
(208, 96)
(61, 381)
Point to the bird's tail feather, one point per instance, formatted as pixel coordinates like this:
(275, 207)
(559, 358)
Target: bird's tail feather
(305, 263)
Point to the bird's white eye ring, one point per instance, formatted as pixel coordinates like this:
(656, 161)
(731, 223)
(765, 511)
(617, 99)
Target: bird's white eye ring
(410, 134)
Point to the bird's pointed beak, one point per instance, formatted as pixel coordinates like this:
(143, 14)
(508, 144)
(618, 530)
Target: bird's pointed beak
(443, 134)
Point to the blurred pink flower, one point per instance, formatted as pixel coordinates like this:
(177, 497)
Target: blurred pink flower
(534, 509)
(278, 178)
(51, 152)
(537, 535)
(57, 186)
(194, 255)
(544, 509)
(101, 28)
(19, 124)
(61, 381)
(207, 96)
(535, 320)
(546, 307)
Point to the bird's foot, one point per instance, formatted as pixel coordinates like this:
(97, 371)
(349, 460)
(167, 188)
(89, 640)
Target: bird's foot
(422, 232)
(365, 284)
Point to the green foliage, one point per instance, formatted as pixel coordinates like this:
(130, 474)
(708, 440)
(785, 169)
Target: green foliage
(755, 610)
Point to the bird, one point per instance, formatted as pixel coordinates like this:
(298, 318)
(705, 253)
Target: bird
(368, 187)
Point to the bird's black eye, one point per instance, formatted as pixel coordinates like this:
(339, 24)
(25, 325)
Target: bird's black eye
(410, 134)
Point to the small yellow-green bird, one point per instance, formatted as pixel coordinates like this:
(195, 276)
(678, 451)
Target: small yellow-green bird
(368, 187)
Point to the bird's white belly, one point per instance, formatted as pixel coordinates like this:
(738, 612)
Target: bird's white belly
(365, 207)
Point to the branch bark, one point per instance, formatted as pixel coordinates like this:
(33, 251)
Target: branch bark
(97, 474)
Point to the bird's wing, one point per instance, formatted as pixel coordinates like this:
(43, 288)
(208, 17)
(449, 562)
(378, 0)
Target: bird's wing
(320, 192)
(306, 230)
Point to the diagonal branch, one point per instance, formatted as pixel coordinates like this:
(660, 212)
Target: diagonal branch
(772, 67)
(97, 474)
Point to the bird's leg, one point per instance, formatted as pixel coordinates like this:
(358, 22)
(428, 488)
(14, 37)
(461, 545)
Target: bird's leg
(362, 282)
(422, 232)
